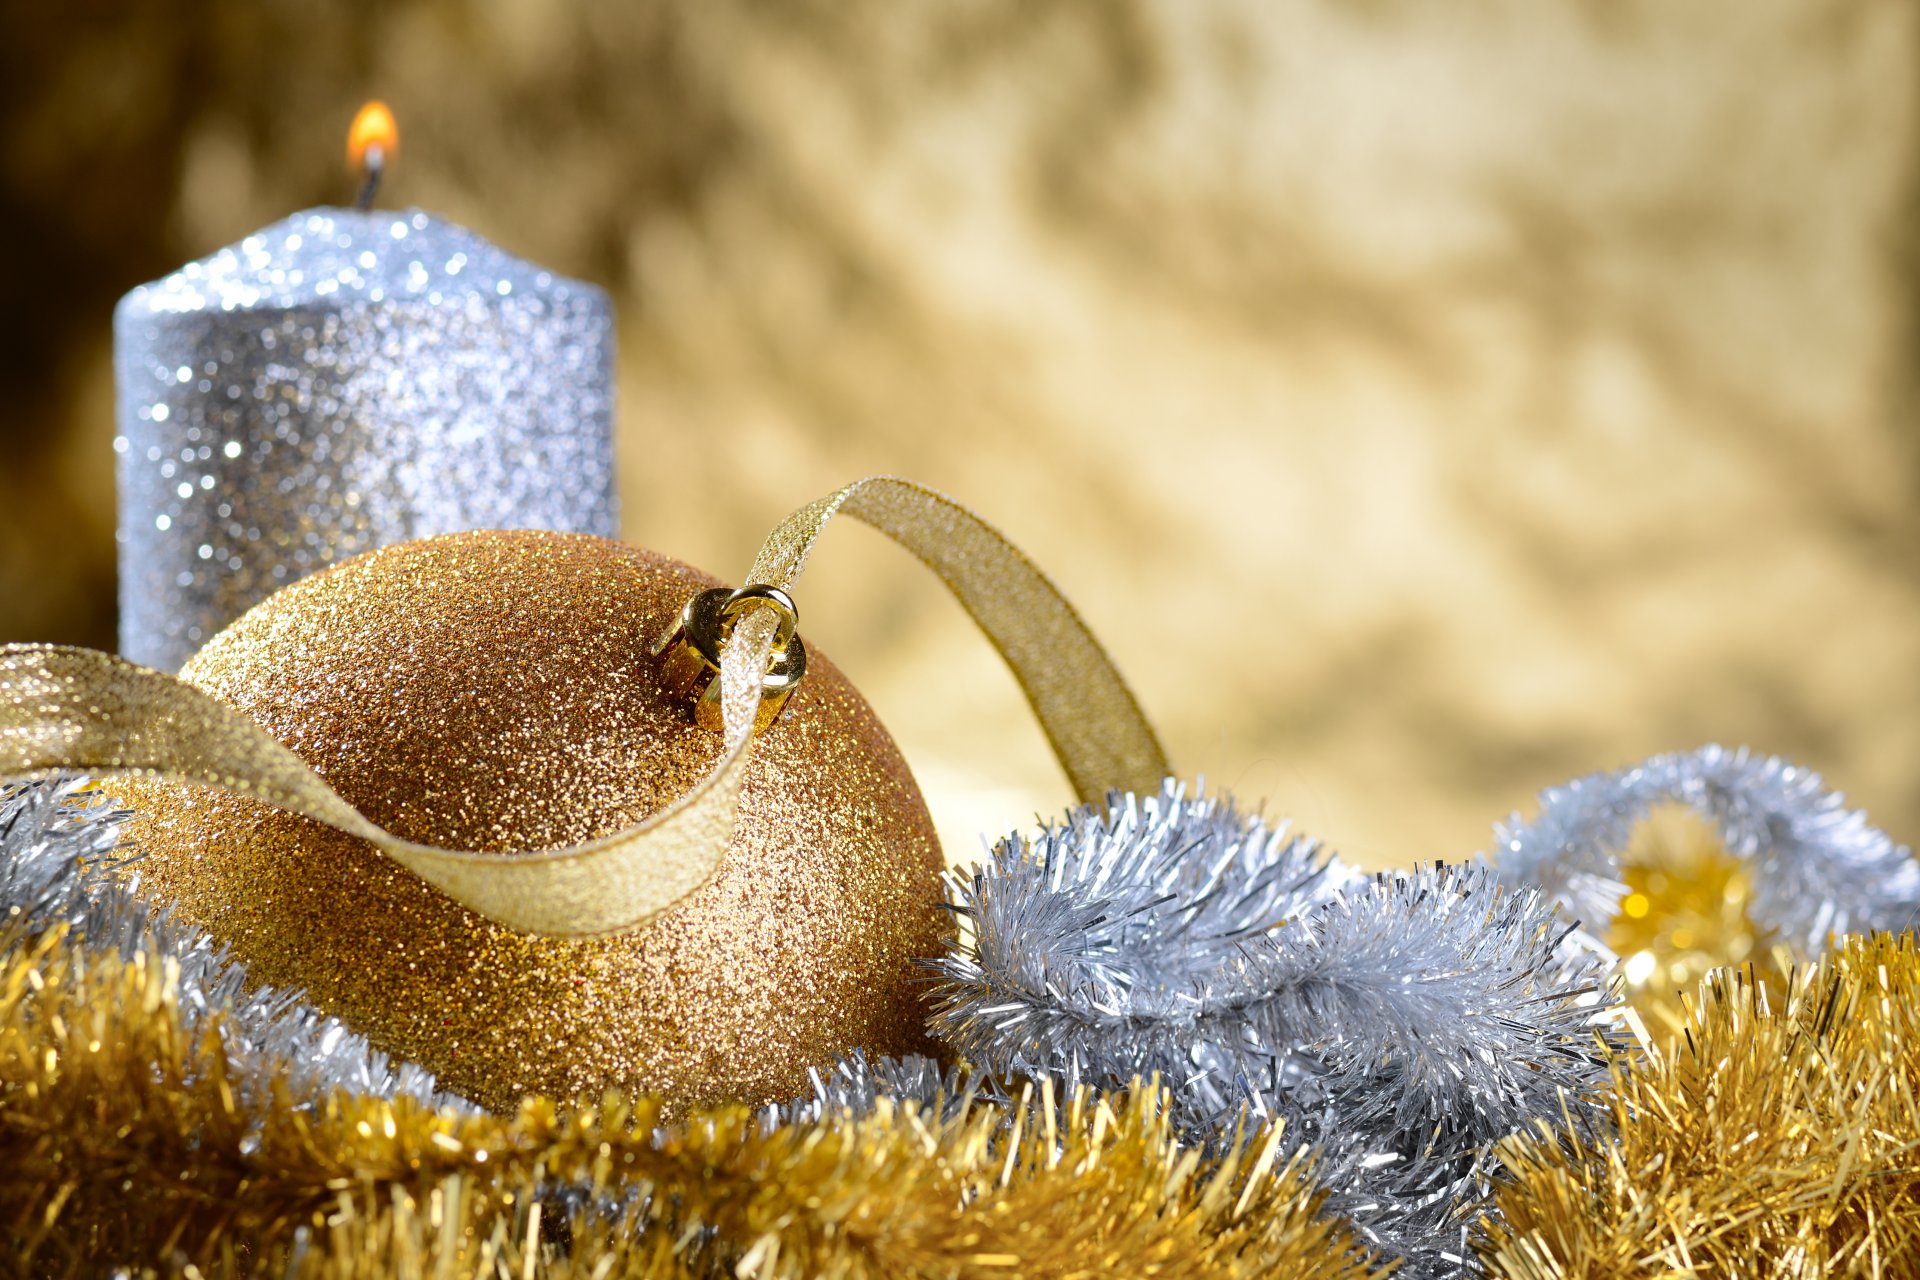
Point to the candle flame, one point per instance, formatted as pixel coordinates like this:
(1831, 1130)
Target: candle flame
(373, 131)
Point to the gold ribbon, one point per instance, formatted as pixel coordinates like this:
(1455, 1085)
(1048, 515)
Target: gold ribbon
(65, 709)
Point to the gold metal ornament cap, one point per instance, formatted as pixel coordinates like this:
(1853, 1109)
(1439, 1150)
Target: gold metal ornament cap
(690, 653)
(499, 691)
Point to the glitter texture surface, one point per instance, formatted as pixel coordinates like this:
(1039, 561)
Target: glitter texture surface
(337, 382)
(494, 691)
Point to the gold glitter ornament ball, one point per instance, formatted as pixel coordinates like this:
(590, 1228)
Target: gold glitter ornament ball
(494, 691)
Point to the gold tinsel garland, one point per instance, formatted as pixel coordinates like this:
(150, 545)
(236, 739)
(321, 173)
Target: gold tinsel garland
(1778, 1136)
(129, 1144)
(1769, 1126)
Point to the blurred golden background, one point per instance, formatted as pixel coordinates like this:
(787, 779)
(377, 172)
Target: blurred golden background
(1426, 403)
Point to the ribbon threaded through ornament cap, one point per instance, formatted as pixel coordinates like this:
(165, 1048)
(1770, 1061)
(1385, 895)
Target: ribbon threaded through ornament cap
(64, 709)
(692, 651)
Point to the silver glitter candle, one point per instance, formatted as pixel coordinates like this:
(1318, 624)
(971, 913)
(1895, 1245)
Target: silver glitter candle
(337, 382)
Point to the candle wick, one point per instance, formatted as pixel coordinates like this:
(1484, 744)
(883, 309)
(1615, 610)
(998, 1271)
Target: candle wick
(376, 165)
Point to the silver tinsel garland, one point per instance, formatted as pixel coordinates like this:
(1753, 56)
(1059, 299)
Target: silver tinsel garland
(1819, 869)
(856, 1083)
(1172, 936)
(56, 840)
(1399, 1024)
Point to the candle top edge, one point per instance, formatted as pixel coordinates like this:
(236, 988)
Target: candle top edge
(328, 256)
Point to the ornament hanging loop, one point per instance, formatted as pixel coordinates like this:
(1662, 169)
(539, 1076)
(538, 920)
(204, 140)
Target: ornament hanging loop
(691, 651)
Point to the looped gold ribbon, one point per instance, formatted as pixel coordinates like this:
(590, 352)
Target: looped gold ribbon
(78, 709)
